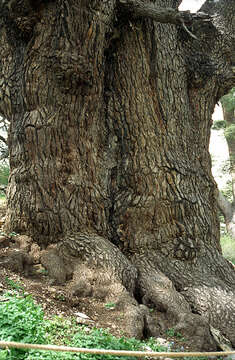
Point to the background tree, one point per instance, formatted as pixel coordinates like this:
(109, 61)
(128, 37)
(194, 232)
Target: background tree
(228, 207)
(4, 154)
(110, 108)
(4, 126)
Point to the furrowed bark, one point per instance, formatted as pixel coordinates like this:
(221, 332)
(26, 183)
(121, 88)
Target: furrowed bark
(110, 126)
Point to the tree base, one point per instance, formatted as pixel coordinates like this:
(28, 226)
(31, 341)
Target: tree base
(93, 267)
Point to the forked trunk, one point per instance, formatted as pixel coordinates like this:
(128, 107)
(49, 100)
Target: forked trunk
(110, 126)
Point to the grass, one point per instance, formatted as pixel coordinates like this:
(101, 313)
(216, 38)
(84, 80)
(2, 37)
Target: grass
(2, 197)
(23, 321)
(228, 247)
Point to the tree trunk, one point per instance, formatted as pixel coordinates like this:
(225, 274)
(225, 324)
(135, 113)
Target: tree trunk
(110, 126)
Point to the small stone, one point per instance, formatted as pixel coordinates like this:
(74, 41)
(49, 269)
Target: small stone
(86, 329)
(81, 315)
(163, 342)
(38, 268)
(51, 289)
(84, 321)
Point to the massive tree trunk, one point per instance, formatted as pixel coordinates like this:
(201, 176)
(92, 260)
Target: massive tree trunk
(110, 122)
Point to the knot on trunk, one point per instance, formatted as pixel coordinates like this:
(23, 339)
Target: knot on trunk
(71, 70)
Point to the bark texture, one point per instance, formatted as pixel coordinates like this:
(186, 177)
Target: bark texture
(110, 125)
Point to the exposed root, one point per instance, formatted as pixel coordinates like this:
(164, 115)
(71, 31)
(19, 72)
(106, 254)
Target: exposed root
(159, 292)
(96, 268)
(99, 270)
(97, 252)
(214, 304)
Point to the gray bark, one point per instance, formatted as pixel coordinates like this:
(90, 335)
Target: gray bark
(110, 125)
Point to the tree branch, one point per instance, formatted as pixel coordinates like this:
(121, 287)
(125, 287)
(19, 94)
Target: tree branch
(4, 155)
(3, 140)
(225, 206)
(139, 8)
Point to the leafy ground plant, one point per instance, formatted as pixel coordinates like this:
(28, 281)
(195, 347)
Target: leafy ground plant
(20, 320)
(23, 321)
(172, 333)
(13, 284)
(110, 306)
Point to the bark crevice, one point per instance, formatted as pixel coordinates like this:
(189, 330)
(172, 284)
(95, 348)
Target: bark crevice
(109, 158)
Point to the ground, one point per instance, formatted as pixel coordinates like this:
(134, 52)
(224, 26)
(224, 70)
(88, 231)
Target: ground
(56, 301)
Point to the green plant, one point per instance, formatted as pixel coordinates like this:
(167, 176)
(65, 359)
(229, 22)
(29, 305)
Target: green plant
(228, 101)
(102, 339)
(4, 354)
(228, 247)
(172, 333)
(60, 297)
(229, 132)
(44, 271)
(23, 321)
(13, 234)
(110, 305)
(3, 198)
(4, 174)
(218, 124)
(13, 284)
(227, 191)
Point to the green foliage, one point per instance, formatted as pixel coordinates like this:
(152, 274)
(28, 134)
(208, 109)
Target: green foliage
(228, 101)
(13, 284)
(22, 321)
(219, 124)
(4, 174)
(227, 191)
(172, 333)
(110, 305)
(228, 247)
(229, 132)
(4, 354)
